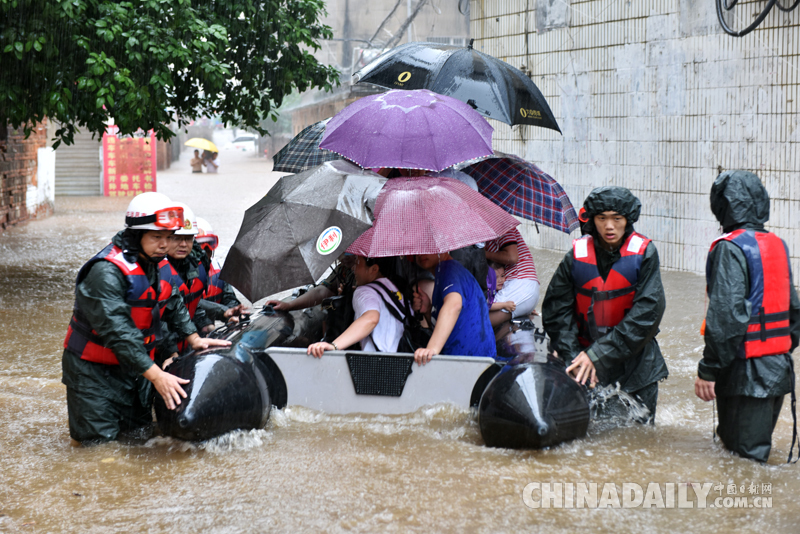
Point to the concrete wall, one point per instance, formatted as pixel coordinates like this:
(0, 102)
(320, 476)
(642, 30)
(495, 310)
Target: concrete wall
(653, 96)
(27, 176)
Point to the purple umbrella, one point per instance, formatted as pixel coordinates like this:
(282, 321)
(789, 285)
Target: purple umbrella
(430, 215)
(408, 129)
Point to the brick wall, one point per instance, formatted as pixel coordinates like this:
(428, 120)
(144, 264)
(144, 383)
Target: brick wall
(651, 95)
(18, 171)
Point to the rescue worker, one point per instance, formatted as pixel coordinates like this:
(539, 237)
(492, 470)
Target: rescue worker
(753, 320)
(120, 301)
(219, 294)
(187, 268)
(605, 301)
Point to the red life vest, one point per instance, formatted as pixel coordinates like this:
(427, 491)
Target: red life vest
(770, 277)
(146, 310)
(215, 285)
(192, 293)
(602, 304)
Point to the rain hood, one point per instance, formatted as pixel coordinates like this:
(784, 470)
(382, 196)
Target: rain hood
(738, 199)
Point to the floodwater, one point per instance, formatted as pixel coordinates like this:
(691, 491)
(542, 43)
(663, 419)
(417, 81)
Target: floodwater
(308, 471)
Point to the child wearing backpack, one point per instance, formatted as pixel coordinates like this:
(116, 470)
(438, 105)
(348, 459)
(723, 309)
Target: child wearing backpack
(376, 327)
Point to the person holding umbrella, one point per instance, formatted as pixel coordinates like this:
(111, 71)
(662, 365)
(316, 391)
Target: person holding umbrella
(427, 217)
(459, 308)
(605, 301)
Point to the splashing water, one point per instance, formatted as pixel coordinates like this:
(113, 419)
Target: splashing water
(611, 407)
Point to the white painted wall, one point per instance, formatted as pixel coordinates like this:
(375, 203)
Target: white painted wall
(44, 192)
(651, 95)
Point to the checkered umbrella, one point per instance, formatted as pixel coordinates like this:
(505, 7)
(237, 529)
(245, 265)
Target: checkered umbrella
(523, 189)
(303, 151)
(429, 215)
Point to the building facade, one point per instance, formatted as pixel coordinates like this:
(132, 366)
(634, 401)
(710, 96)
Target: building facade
(654, 96)
(27, 175)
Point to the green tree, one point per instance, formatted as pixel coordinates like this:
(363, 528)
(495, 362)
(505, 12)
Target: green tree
(151, 63)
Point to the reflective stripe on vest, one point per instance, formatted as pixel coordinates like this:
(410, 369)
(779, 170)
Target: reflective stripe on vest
(600, 304)
(770, 277)
(215, 285)
(191, 295)
(146, 310)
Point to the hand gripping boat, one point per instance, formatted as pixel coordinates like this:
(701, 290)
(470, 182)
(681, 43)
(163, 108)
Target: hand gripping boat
(528, 402)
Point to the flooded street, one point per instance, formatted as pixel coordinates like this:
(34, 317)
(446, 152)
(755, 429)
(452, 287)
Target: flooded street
(312, 472)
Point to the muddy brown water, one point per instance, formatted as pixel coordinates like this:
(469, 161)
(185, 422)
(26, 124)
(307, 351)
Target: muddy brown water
(312, 472)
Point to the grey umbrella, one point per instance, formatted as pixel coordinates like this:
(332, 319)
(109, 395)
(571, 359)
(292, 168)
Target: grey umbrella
(293, 234)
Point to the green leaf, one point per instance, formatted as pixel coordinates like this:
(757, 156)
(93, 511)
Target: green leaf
(19, 46)
(37, 45)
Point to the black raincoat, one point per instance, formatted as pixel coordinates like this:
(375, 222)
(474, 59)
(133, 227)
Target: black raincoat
(739, 200)
(104, 399)
(629, 353)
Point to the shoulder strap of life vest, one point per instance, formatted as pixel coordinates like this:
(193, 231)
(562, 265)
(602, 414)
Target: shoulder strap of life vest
(620, 282)
(146, 310)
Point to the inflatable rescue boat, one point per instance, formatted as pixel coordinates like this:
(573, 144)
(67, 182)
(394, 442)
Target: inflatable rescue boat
(524, 397)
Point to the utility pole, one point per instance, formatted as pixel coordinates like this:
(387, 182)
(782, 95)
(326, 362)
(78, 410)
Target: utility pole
(408, 16)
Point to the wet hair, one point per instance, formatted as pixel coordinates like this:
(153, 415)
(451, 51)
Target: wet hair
(385, 265)
(388, 269)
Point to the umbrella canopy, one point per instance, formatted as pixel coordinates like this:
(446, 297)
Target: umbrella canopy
(408, 129)
(523, 189)
(293, 234)
(430, 215)
(303, 151)
(492, 86)
(203, 144)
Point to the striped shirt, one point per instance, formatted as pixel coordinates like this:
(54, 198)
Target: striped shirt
(524, 268)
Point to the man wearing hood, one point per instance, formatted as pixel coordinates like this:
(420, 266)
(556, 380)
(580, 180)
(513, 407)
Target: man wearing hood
(120, 303)
(605, 301)
(753, 319)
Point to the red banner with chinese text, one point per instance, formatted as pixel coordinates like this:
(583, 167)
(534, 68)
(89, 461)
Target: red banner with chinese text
(129, 165)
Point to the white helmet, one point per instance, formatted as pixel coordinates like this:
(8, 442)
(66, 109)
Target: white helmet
(189, 226)
(205, 235)
(153, 211)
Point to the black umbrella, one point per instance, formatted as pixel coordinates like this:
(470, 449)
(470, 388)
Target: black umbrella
(293, 234)
(303, 151)
(491, 86)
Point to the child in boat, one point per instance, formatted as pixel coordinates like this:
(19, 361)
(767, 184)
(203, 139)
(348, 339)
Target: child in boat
(500, 279)
(375, 326)
(459, 308)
